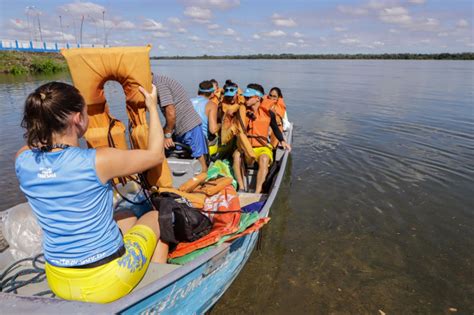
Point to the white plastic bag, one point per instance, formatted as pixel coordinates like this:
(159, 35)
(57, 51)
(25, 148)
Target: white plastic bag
(22, 232)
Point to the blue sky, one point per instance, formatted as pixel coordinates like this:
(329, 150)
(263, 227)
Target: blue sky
(220, 27)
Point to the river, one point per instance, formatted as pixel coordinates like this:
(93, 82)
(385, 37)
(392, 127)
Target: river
(376, 213)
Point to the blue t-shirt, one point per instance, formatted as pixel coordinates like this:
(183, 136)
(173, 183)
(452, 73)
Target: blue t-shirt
(73, 207)
(199, 104)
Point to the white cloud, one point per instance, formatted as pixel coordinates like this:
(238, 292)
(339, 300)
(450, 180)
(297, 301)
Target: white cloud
(443, 34)
(161, 47)
(82, 8)
(378, 43)
(394, 31)
(174, 20)
(219, 4)
(124, 25)
(290, 44)
(349, 41)
(280, 21)
(194, 38)
(198, 14)
(340, 29)
(213, 26)
(395, 15)
(228, 32)
(182, 30)
(216, 42)
(161, 34)
(297, 35)
(276, 33)
(352, 10)
(417, 1)
(152, 25)
(256, 36)
(462, 23)
(425, 41)
(301, 41)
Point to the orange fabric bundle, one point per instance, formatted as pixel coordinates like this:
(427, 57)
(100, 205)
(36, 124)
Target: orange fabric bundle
(192, 183)
(214, 186)
(223, 223)
(254, 227)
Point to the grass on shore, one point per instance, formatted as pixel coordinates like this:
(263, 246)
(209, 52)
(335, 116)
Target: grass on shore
(17, 62)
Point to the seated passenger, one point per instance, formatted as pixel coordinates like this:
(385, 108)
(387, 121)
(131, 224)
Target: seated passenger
(216, 98)
(275, 103)
(69, 189)
(181, 118)
(206, 109)
(228, 108)
(260, 120)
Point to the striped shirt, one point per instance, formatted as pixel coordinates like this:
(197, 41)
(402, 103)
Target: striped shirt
(171, 92)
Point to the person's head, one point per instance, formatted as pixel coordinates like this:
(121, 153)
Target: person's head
(253, 94)
(230, 91)
(50, 110)
(206, 89)
(215, 84)
(275, 93)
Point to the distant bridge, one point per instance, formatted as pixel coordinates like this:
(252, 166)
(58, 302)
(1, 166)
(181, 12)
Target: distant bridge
(35, 46)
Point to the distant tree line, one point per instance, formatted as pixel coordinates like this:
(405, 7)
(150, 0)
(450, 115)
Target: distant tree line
(403, 56)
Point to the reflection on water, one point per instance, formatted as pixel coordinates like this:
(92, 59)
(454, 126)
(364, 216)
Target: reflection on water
(376, 211)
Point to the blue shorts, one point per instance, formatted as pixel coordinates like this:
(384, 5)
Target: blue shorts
(196, 140)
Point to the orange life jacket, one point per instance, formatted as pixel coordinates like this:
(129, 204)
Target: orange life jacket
(230, 125)
(90, 69)
(258, 128)
(279, 108)
(217, 97)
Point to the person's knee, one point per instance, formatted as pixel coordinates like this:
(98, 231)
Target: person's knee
(150, 219)
(236, 156)
(263, 159)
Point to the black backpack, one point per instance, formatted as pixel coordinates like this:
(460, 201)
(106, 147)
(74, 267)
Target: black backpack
(179, 222)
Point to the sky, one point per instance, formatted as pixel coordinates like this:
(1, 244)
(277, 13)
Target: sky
(231, 27)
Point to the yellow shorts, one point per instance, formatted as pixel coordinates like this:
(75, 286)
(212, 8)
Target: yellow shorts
(263, 150)
(221, 148)
(111, 281)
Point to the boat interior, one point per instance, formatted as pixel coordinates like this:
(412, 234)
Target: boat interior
(182, 170)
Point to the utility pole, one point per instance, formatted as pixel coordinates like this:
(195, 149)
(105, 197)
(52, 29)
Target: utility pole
(105, 33)
(82, 23)
(39, 25)
(28, 21)
(61, 25)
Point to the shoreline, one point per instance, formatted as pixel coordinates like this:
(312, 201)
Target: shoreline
(18, 62)
(395, 56)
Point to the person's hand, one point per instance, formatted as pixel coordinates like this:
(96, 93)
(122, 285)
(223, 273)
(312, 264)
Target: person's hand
(285, 146)
(168, 143)
(151, 99)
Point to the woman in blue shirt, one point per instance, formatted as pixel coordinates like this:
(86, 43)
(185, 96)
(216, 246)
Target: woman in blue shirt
(69, 190)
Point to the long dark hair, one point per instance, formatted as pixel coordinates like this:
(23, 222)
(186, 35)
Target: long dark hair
(47, 110)
(277, 89)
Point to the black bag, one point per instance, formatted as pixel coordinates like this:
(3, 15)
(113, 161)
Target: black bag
(179, 222)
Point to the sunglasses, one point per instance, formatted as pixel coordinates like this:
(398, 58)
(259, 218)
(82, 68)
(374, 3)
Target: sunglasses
(231, 89)
(273, 96)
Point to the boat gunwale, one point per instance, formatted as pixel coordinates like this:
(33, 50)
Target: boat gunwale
(27, 303)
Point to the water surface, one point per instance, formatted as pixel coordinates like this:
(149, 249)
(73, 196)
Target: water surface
(377, 208)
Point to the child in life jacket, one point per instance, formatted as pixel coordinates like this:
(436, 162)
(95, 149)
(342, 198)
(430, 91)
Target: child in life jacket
(260, 121)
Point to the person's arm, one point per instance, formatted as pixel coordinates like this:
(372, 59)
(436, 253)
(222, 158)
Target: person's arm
(212, 118)
(112, 162)
(170, 116)
(277, 132)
